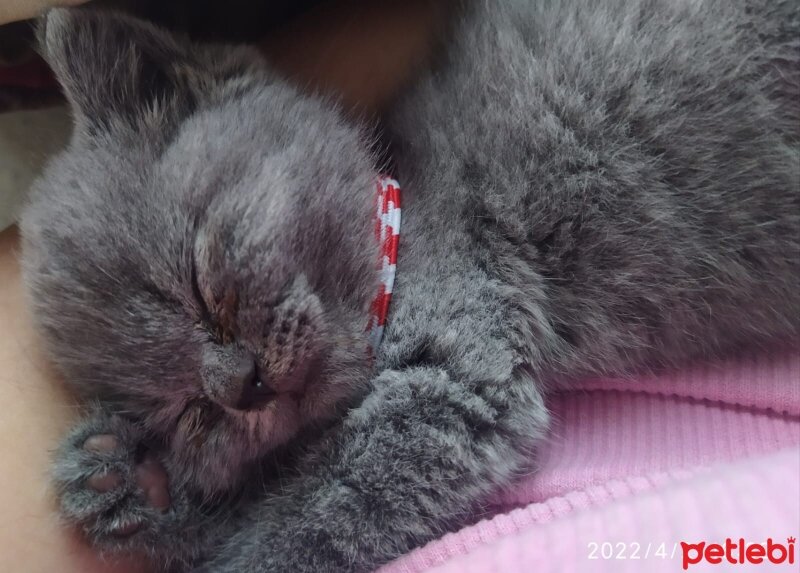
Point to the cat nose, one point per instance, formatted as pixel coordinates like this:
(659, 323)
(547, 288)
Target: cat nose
(253, 392)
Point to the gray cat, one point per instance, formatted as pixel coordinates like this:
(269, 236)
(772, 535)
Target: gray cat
(590, 188)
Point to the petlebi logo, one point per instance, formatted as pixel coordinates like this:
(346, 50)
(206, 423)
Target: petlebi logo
(740, 552)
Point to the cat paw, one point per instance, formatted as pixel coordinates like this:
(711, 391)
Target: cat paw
(109, 483)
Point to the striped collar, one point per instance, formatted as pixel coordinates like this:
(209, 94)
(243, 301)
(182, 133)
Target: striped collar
(387, 231)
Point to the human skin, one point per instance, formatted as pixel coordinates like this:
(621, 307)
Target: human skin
(36, 413)
(37, 408)
(12, 10)
(361, 52)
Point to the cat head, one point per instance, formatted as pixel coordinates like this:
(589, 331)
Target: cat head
(202, 256)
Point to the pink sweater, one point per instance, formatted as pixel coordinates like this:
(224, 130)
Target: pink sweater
(634, 468)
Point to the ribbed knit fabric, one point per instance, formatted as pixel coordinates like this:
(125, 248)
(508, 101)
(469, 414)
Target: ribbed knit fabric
(685, 457)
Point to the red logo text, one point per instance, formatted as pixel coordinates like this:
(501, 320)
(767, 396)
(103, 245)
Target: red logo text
(739, 552)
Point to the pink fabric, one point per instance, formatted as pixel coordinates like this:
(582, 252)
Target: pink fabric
(703, 454)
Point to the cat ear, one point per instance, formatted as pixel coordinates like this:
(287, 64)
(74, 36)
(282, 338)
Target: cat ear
(116, 68)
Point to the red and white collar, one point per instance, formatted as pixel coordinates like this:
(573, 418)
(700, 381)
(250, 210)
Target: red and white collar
(387, 231)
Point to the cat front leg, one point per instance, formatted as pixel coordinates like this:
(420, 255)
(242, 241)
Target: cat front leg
(118, 489)
(421, 452)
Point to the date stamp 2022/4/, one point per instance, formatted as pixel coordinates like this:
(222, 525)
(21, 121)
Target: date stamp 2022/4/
(632, 550)
(730, 551)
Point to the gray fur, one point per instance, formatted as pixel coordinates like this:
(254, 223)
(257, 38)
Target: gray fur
(177, 176)
(590, 188)
(191, 523)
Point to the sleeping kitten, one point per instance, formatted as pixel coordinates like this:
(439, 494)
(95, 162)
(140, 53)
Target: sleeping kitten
(591, 188)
